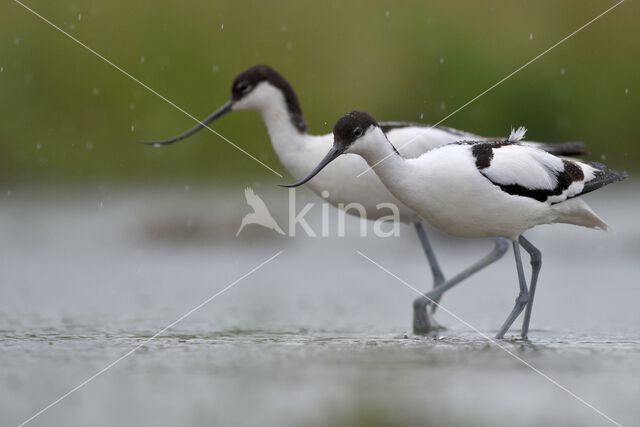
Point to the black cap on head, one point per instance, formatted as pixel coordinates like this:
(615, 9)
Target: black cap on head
(352, 126)
(246, 81)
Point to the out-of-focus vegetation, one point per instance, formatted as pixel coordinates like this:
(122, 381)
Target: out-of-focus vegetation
(68, 116)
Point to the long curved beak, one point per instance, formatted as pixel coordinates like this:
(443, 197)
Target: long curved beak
(333, 154)
(201, 125)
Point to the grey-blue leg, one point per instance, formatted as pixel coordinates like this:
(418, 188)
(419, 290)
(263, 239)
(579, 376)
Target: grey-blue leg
(422, 322)
(523, 296)
(536, 264)
(436, 271)
(421, 315)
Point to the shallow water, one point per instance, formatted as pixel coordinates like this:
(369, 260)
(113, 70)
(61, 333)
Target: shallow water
(319, 336)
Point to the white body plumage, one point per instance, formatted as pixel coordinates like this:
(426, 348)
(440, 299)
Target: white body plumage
(447, 188)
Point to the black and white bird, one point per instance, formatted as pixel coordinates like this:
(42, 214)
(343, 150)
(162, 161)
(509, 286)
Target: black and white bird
(262, 89)
(479, 189)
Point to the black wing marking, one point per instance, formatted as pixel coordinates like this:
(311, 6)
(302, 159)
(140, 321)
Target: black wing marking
(483, 151)
(540, 175)
(564, 179)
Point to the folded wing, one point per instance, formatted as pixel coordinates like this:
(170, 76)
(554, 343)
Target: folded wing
(525, 171)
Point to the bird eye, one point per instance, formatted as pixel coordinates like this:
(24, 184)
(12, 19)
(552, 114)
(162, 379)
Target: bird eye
(243, 87)
(357, 132)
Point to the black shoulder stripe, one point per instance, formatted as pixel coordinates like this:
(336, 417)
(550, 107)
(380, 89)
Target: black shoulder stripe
(483, 151)
(483, 154)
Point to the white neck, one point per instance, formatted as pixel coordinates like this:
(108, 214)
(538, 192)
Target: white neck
(385, 161)
(379, 153)
(271, 103)
(284, 135)
(298, 151)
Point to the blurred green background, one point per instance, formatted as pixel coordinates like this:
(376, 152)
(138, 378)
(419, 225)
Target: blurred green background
(68, 117)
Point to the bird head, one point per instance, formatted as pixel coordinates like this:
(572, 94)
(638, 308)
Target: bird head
(257, 88)
(351, 134)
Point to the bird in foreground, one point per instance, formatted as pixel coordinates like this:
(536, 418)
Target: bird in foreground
(262, 89)
(480, 189)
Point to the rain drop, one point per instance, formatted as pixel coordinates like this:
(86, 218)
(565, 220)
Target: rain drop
(222, 26)
(187, 188)
(530, 36)
(1, 69)
(421, 116)
(626, 90)
(16, 41)
(386, 13)
(95, 91)
(441, 61)
(142, 59)
(324, 194)
(79, 17)
(563, 71)
(603, 157)
(443, 106)
(89, 145)
(9, 193)
(289, 45)
(72, 26)
(133, 128)
(101, 205)
(132, 106)
(38, 147)
(284, 29)
(157, 145)
(215, 68)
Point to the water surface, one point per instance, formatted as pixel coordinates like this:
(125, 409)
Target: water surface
(319, 336)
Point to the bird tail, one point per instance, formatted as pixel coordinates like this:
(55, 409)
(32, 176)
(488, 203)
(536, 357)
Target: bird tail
(577, 212)
(603, 176)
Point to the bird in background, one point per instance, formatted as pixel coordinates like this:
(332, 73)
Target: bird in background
(260, 215)
(476, 189)
(262, 89)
